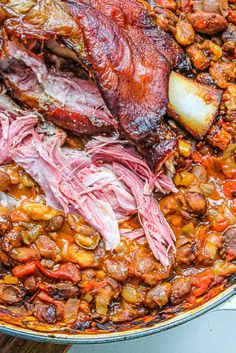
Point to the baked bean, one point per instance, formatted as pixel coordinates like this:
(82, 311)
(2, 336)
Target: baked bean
(212, 49)
(196, 203)
(230, 48)
(181, 288)
(165, 19)
(5, 224)
(117, 270)
(10, 294)
(184, 33)
(12, 239)
(197, 57)
(185, 255)
(46, 313)
(229, 34)
(30, 284)
(55, 224)
(132, 295)
(229, 243)
(5, 181)
(47, 247)
(205, 79)
(158, 296)
(207, 23)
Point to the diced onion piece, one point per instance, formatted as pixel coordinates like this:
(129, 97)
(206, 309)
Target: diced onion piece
(224, 268)
(184, 178)
(129, 293)
(193, 105)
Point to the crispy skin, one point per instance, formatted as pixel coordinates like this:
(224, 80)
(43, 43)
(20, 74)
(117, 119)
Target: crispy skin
(133, 13)
(131, 74)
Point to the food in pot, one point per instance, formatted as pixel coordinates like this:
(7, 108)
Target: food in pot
(117, 161)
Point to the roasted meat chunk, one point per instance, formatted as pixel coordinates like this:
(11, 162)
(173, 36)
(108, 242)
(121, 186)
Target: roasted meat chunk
(134, 14)
(68, 101)
(131, 74)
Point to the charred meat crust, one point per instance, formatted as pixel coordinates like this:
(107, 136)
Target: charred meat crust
(133, 13)
(131, 74)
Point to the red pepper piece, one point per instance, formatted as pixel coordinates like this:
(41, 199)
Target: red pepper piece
(21, 271)
(68, 271)
(201, 282)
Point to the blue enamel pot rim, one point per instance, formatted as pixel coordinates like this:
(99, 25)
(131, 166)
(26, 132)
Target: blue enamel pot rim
(83, 338)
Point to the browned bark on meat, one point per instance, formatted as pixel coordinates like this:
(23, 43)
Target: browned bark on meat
(53, 20)
(133, 13)
(75, 122)
(84, 111)
(160, 152)
(131, 74)
(134, 87)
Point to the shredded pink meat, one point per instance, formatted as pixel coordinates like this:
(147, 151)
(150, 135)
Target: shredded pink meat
(137, 175)
(110, 150)
(106, 183)
(44, 159)
(158, 232)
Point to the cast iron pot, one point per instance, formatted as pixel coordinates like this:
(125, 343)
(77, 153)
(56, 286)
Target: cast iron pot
(222, 301)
